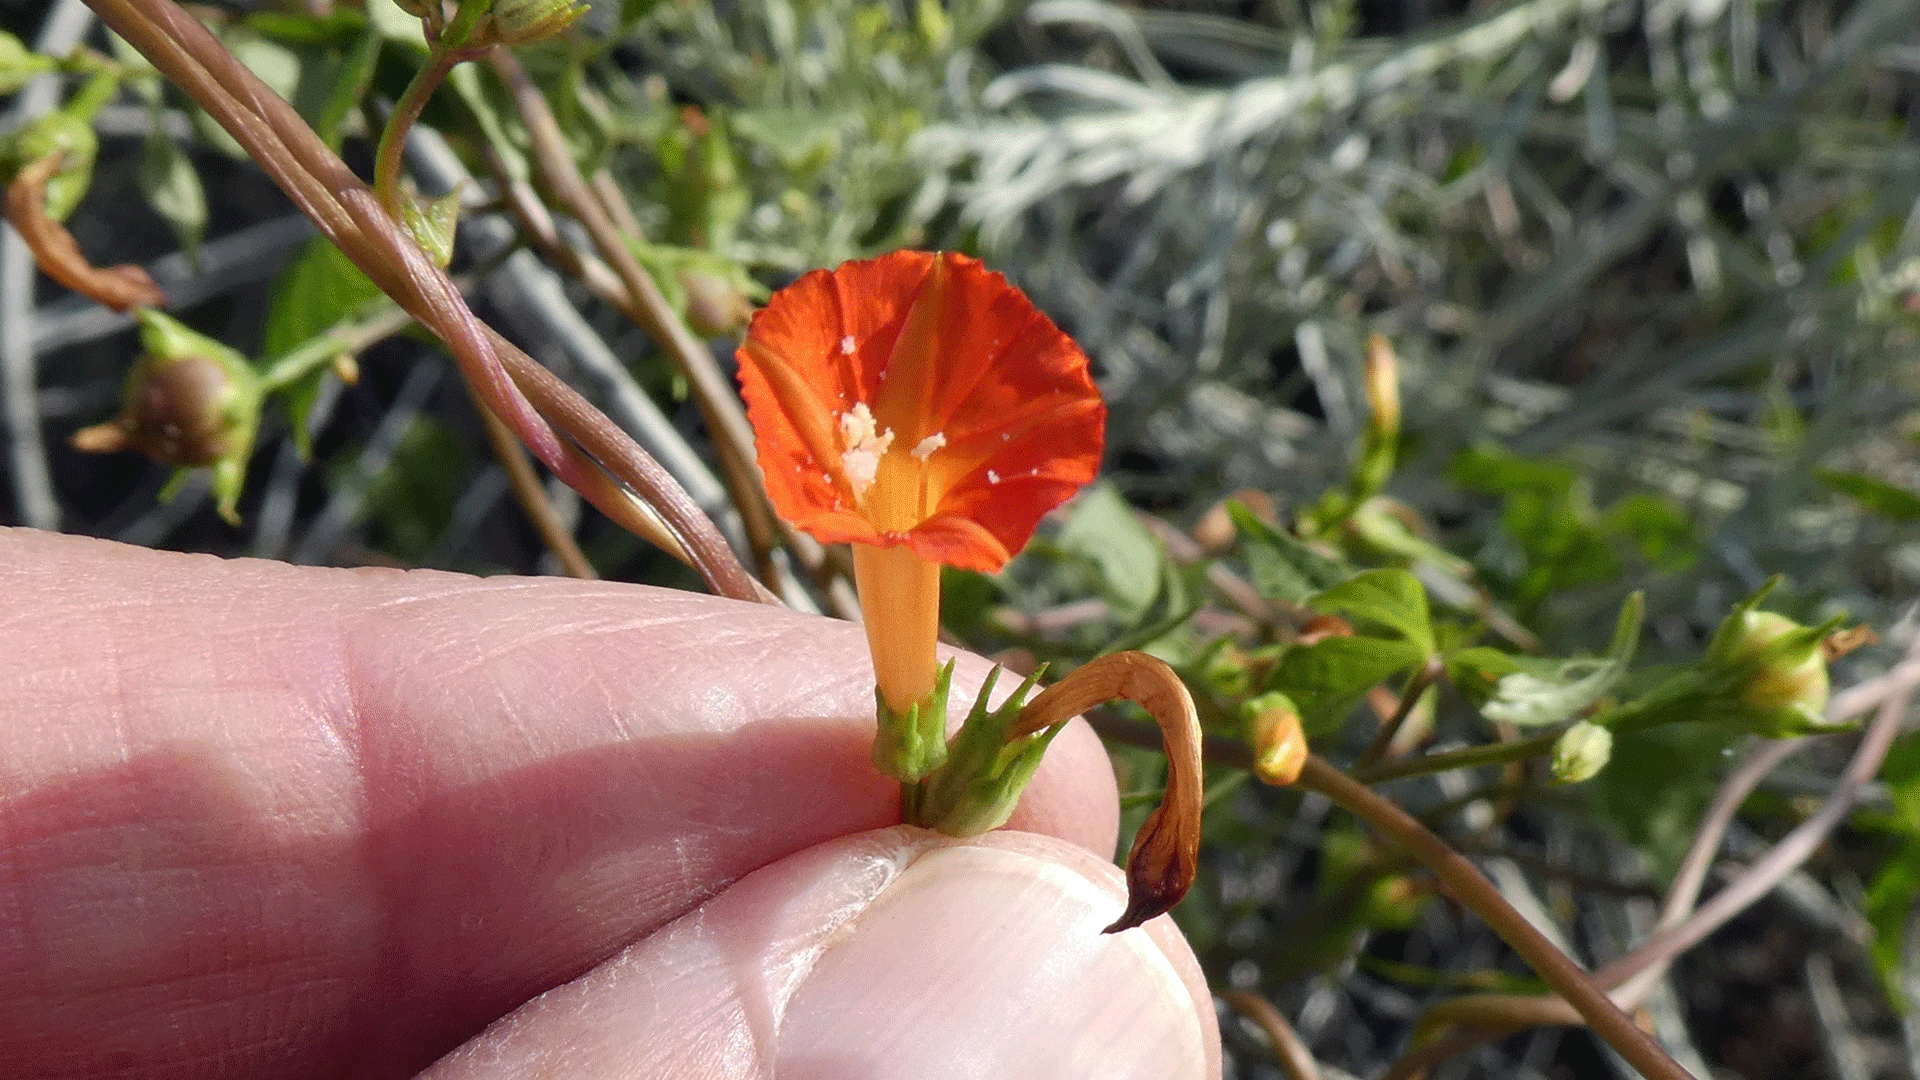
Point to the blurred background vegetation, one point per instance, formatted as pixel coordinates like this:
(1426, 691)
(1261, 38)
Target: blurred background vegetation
(1651, 270)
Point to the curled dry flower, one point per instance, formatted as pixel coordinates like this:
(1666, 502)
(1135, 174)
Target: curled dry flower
(118, 287)
(1166, 850)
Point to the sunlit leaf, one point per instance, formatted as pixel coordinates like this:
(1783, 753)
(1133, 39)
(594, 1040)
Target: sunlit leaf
(1329, 677)
(1876, 495)
(1282, 567)
(172, 187)
(1104, 530)
(318, 289)
(1391, 598)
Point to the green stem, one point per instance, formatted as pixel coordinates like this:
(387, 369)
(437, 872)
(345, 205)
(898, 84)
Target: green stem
(1473, 889)
(321, 349)
(93, 94)
(1471, 757)
(386, 161)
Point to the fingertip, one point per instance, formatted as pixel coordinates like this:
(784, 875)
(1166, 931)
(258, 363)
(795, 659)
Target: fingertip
(894, 953)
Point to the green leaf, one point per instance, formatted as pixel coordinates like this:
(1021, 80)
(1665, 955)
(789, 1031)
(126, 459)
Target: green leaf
(1160, 631)
(18, 63)
(1477, 671)
(172, 187)
(1657, 784)
(1895, 502)
(1329, 677)
(1282, 567)
(1547, 692)
(1392, 598)
(801, 139)
(409, 503)
(1890, 903)
(1657, 526)
(1104, 530)
(332, 82)
(318, 289)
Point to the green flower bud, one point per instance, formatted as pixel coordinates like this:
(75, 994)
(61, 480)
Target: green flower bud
(1581, 752)
(522, 22)
(189, 402)
(1789, 676)
(60, 136)
(1767, 674)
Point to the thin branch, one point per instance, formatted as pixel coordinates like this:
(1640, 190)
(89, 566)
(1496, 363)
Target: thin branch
(645, 304)
(1471, 757)
(1294, 1056)
(1632, 977)
(532, 495)
(1409, 698)
(1474, 890)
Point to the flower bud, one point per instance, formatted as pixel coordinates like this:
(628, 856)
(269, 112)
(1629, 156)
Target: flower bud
(1767, 673)
(1381, 379)
(523, 22)
(1581, 752)
(1278, 740)
(189, 401)
(715, 305)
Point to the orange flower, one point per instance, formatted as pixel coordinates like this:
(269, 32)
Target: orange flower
(921, 408)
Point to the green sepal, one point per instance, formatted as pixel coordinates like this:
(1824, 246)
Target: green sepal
(432, 222)
(910, 745)
(978, 787)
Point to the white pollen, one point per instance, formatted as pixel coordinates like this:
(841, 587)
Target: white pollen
(928, 445)
(846, 345)
(1006, 436)
(862, 446)
(992, 477)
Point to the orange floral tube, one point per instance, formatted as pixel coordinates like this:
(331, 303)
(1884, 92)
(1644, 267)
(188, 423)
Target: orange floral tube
(922, 409)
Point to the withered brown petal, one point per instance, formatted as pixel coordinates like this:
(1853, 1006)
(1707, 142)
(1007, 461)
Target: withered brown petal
(1162, 864)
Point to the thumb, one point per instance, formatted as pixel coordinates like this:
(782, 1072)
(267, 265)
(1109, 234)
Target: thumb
(886, 954)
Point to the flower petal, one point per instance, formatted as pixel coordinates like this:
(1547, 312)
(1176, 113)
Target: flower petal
(993, 404)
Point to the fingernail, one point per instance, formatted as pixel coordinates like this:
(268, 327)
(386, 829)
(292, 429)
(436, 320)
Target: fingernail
(986, 962)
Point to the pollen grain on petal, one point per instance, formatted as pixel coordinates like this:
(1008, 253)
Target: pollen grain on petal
(863, 447)
(928, 445)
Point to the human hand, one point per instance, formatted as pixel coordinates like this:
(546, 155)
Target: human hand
(264, 821)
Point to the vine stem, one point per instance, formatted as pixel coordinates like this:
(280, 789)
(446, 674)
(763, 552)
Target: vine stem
(1481, 1018)
(1475, 891)
(349, 213)
(1294, 1056)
